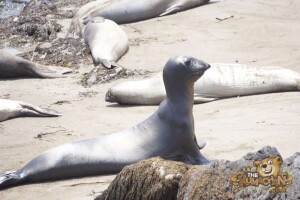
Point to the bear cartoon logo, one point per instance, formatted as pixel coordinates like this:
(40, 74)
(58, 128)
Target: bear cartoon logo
(264, 172)
(268, 166)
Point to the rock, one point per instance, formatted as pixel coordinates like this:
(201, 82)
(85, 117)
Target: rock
(292, 165)
(265, 152)
(149, 179)
(204, 182)
(161, 179)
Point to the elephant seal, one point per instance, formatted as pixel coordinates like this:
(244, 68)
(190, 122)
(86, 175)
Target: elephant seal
(11, 109)
(221, 81)
(12, 66)
(107, 41)
(128, 11)
(168, 133)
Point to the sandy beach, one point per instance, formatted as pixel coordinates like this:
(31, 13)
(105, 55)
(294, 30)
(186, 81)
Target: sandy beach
(254, 32)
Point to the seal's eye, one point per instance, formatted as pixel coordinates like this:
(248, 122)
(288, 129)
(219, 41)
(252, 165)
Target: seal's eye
(187, 62)
(270, 162)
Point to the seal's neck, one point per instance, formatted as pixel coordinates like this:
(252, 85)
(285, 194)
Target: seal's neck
(181, 94)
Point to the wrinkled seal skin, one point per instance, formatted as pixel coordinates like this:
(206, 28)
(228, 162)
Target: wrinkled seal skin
(11, 109)
(12, 66)
(168, 133)
(221, 81)
(107, 41)
(128, 11)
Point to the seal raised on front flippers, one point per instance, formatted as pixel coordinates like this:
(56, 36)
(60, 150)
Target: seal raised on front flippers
(106, 40)
(168, 133)
(128, 11)
(11, 109)
(221, 81)
(12, 66)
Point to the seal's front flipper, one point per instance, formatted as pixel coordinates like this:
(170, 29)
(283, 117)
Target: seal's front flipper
(114, 64)
(109, 64)
(52, 71)
(173, 9)
(30, 110)
(201, 160)
(86, 20)
(200, 142)
(62, 70)
(9, 179)
(200, 99)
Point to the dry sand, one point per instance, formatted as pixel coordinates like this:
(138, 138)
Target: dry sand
(260, 33)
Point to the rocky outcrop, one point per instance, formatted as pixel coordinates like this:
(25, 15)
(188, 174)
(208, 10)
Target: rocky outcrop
(204, 182)
(160, 179)
(152, 179)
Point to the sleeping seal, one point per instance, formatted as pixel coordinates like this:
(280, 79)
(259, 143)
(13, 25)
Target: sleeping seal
(107, 41)
(12, 66)
(11, 109)
(128, 11)
(221, 81)
(168, 133)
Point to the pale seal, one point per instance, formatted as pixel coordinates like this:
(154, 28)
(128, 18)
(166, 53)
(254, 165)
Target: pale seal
(221, 81)
(128, 11)
(168, 133)
(106, 40)
(11, 109)
(12, 66)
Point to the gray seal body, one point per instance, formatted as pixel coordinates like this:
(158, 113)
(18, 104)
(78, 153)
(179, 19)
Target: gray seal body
(168, 133)
(11, 109)
(220, 81)
(12, 66)
(129, 11)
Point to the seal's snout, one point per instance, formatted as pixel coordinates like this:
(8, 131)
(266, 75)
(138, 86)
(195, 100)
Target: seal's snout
(208, 66)
(201, 67)
(109, 97)
(205, 66)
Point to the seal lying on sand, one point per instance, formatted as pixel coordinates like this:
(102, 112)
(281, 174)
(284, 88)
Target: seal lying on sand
(107, 41)
(128, 11)
(221, 81)
(11, 109)
(12, 66)
(168, 133)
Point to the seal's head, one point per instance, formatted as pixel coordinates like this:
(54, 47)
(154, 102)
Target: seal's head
(183, 68)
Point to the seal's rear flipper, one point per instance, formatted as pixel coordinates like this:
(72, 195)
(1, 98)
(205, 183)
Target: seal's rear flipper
(30, 110)
(200, 99)
(9, 179)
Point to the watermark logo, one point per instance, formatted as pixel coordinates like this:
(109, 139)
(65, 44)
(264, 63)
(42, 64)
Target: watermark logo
(265, 172)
